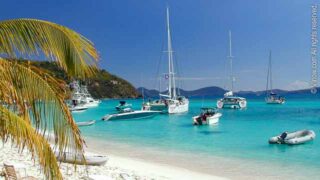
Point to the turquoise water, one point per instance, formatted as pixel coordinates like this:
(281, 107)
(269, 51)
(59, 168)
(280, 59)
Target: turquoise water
(241, 134)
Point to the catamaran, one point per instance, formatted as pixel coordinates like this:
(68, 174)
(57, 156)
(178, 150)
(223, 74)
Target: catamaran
(272, 97)
(229, 100)
(172, 102)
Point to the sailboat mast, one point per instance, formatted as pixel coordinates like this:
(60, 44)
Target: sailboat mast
(270, 65)
(268, 74)
(230, 59)
(172, 88)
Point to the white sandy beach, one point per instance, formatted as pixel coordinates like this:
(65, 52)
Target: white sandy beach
(116, 168)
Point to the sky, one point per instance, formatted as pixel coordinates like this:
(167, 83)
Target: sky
(130, 36)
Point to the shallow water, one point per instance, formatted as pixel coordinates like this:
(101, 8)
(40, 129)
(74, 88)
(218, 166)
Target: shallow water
(241, 135)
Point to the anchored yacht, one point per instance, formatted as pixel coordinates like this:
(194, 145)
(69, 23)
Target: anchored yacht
(272, 97)
(171, 102)
(229, 100)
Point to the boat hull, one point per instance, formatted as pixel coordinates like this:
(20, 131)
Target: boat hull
(86, 123)
(92, 104)
(178, 108)
(213, 120)
(157, 107)
(275, 102)
(78, 109)
(130, 115)
(230, 105)
(93, 160)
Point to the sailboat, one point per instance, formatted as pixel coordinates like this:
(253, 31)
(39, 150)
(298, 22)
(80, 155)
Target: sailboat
(229, 100)
(272, 97)
(171, 102)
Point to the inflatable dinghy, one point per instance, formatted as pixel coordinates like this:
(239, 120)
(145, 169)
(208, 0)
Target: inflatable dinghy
(297, 137)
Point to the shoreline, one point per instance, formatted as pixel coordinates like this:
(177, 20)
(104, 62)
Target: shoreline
(201, 164)
(117, 167)
(145, 163)
(130, 162)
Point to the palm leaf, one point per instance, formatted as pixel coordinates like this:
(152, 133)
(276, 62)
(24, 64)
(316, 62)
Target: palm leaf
(23, 134)
(36, 97)
(29, 37)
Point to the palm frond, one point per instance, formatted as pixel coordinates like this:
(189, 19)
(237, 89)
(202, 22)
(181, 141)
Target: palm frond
(28, 37)
(36, 97)
(23, 134)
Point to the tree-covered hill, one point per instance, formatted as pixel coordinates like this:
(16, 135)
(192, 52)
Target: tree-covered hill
(102, 85)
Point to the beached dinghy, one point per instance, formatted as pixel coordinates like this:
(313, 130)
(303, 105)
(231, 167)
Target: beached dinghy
(86, 123)
(207, 116)
(93, 160)
(297, 137)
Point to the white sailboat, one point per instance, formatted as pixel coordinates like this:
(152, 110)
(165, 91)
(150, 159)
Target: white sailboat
(272, 97)
(171, 102)
(229, 100)
(176, 104)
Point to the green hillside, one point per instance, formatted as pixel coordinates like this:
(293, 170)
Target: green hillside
(102, 85)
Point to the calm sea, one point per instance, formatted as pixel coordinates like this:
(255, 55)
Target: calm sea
(241, 135)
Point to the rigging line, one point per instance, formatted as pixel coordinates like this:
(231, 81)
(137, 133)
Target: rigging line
(180, 74)
(225, 75)
(177, 72)
(171, 59)
(176, 64)
(157, 75)
(142, 88)
(268, 74)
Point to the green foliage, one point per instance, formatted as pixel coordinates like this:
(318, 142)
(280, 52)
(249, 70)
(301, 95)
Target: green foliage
(102, 85)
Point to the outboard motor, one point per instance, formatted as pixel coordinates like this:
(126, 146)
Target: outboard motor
(283, 135)
(199, 120)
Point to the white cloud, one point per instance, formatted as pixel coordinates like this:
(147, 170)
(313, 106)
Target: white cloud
(298, 84)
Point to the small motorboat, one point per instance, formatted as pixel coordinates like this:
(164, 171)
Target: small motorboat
(207, 116)
(78, 108)
(297, 137)
(86, 123)
(123, 105)
(128, 113)
(93, 160)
